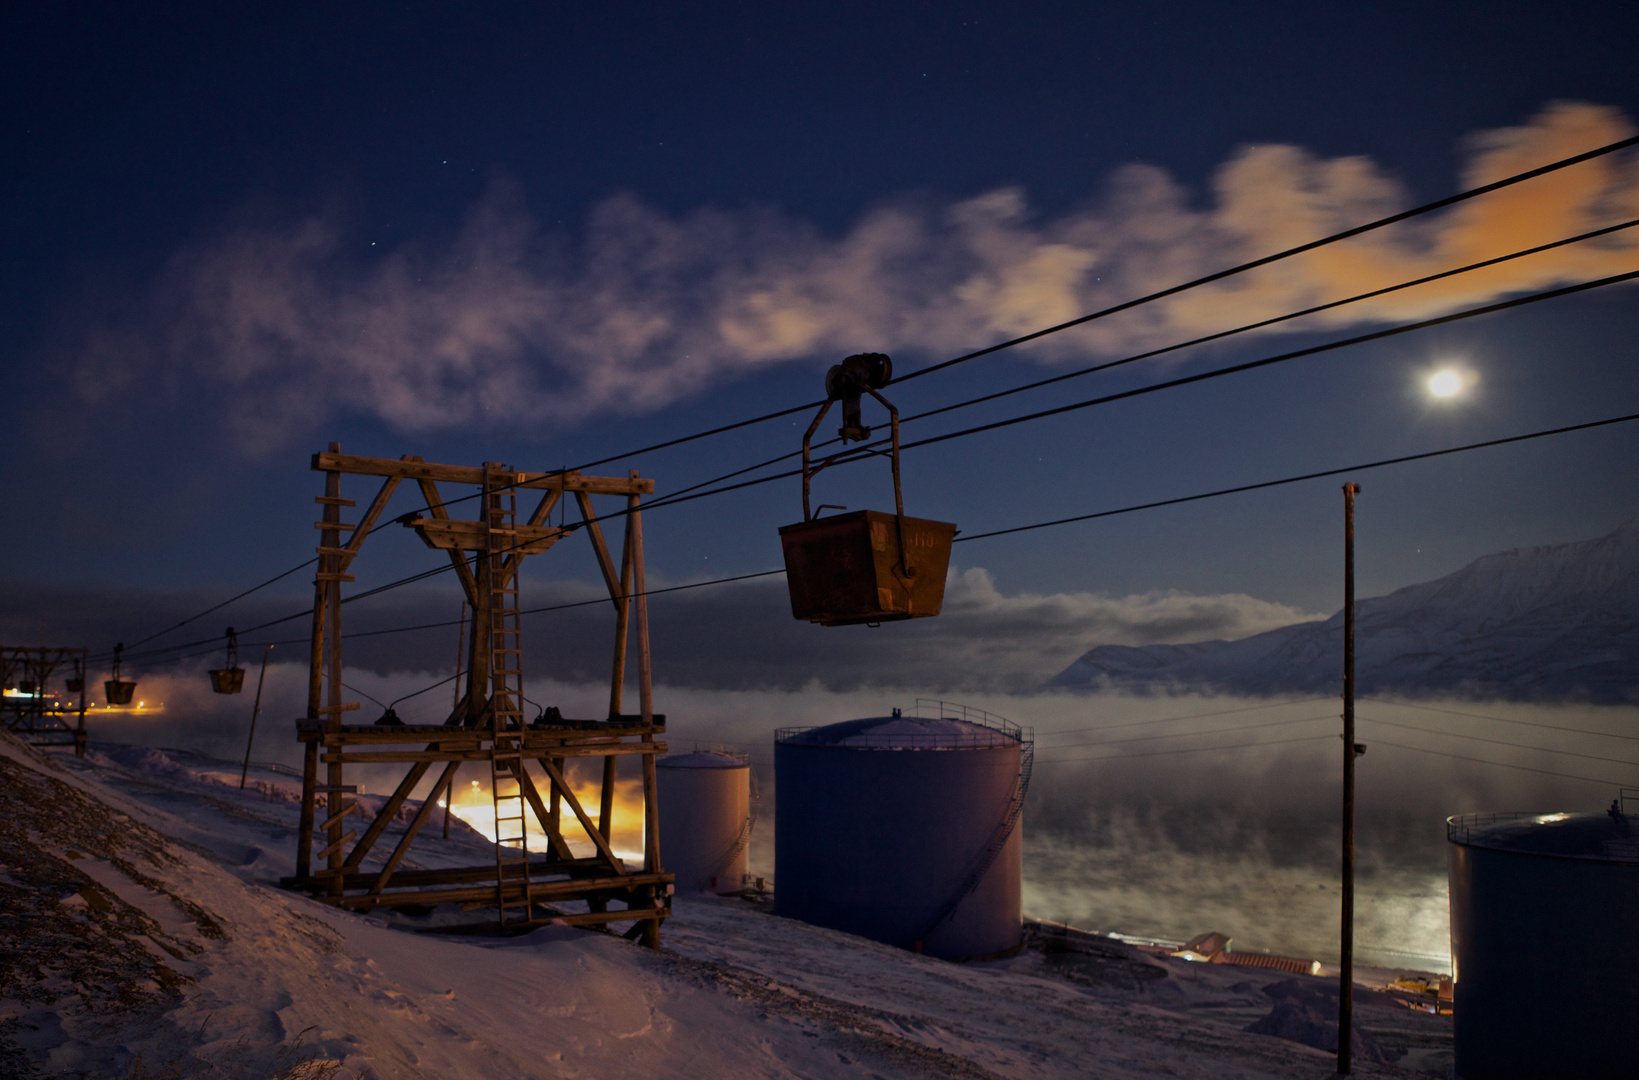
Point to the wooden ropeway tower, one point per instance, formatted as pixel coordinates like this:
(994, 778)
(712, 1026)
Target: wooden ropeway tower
(28, 710)
(488, 726)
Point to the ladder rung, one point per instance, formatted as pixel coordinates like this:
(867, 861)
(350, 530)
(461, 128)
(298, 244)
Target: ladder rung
(333, 848)
(334, 500)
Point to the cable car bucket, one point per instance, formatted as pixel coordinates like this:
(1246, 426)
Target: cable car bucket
(231, 679)
(117, 690)
(865, 566)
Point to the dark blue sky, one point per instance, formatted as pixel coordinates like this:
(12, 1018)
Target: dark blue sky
(162, 161)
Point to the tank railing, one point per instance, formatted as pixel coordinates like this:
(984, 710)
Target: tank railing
(976, 740)
(935, 709)
(1459, 826)
(725, 749)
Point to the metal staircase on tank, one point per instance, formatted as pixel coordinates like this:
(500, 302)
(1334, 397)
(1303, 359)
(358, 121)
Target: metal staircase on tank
(1003, 832)
(506, 763)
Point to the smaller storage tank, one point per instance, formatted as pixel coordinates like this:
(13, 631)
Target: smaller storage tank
(705, 819)
(1544, 939)
(905, 829)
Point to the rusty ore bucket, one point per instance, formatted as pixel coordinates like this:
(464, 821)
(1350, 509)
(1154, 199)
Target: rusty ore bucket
(228, 680)
(75, 686)
(845, 569)
(119, 691)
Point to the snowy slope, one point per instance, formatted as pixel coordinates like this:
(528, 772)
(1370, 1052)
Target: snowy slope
(1539, 623)
(131, 953)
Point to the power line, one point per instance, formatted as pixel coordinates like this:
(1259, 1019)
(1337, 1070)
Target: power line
(1502, 719)
(1250, 365)
(1498, 764)
(1306, 476)
(684, 494)
(873, 449)
(1174, 290)
(1438, 204)
(1205, 339)
(1500, 742)
(1017, 528)
(1197, 734)
(1189, 750)
(1176, 719)
(218, 607)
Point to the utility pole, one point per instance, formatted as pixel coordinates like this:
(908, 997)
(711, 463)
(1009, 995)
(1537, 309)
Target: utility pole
(256, 710)
(1345, 989)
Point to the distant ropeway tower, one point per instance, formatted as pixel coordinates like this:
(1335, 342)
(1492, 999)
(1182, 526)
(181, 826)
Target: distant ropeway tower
(487, 729)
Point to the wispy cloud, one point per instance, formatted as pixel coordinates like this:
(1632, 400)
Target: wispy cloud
(642, 308)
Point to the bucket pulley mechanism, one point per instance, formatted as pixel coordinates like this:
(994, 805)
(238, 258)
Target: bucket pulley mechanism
(229, 679)
(865, 566)
(119, 690)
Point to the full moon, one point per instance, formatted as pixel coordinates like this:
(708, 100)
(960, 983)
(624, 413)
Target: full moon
(1445, 383)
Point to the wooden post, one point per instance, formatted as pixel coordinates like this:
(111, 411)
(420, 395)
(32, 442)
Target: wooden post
(651, 811)
(304, 830)
(330, 538)
(335, 798)
(645, 693)
(1345, 989)
(623, 612)
(478, 654)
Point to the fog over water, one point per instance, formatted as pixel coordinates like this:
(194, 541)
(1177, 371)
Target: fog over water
(1160, 816)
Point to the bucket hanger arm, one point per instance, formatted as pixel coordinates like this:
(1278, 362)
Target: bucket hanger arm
(807, 470)
(898, 497)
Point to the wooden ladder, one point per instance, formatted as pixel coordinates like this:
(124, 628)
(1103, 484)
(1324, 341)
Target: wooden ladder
(506, 763)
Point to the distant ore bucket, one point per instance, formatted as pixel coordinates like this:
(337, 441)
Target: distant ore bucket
(1544, 932)
(906, 830)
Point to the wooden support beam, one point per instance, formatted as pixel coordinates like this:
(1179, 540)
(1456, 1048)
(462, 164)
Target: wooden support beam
(645, 690)
(389, 810)
(363, 879)
(435, 504)
(368, 521)
(623, 613)
(589, 918)
(606, 798)
(415, 469)
(592, 832)
(304, 828)
(349, 808)
(446, 535)
(560, 847)
(408, 838)
(335, 846)
(605, 563)
(544, 891)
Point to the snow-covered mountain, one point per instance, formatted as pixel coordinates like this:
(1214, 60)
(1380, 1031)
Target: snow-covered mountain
(1540, 623)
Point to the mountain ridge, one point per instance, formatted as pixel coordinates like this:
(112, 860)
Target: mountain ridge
(1551, 622)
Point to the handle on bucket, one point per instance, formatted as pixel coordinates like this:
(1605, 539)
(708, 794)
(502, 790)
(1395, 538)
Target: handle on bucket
(857, 375)
(233, 649)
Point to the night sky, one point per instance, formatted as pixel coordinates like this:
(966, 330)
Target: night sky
(545, 234)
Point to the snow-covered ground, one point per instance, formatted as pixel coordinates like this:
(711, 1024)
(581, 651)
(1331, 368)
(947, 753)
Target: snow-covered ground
(145, 936)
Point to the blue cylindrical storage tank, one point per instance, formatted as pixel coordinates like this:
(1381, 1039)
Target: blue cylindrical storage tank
(905, 830)
(1544, 936)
